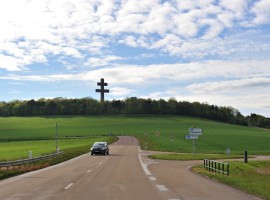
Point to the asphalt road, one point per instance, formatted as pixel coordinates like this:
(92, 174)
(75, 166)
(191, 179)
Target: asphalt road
(125, 174)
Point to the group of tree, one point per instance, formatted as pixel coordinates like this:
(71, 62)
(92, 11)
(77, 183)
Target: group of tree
(133, 105)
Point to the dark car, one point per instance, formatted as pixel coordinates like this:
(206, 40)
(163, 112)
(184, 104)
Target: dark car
(100, 148)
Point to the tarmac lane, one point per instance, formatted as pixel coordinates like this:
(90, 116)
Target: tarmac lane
(117, 176)
(184, 184)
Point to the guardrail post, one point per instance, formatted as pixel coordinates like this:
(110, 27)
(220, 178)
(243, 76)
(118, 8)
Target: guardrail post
(246, 157)
(223, 168)
(228, 169)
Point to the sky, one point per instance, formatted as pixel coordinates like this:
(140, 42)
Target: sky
(209, 51)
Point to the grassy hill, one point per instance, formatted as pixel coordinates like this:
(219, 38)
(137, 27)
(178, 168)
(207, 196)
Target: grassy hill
(216, 138)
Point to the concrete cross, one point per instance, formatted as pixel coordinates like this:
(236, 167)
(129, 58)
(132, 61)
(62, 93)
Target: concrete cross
(102, 90)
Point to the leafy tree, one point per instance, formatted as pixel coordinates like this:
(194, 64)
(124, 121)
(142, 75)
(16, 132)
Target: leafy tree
(132, 105)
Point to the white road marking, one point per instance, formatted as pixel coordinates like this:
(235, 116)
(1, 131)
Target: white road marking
(146, 154)
(162, 188)
(100, 163)
(106, 158)
(188, 168)
(68, 186)
(144, 166)
(89, 170)
(152, 178)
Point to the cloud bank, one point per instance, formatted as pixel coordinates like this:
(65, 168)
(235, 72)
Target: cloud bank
(212, 50)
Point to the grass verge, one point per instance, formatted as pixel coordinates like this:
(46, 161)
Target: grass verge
(252, 177)
(195, 157)
(16, 150)
(69, 153)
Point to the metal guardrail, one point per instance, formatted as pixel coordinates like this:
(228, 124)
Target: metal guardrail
(26, 161)
(217, 167)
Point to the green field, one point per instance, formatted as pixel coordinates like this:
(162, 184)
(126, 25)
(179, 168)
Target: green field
(216, 138)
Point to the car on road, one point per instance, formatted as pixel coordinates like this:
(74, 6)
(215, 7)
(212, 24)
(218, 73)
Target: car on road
(100, 148)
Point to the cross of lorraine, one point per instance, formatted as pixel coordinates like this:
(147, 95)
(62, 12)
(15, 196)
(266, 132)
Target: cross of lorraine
(102, 91)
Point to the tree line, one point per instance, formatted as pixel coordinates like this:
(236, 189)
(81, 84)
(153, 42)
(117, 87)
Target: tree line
(132, 105)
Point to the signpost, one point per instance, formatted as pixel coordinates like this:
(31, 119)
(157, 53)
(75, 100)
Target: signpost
(228, 151)
(56, 137)
(171, 137)
(194, 134)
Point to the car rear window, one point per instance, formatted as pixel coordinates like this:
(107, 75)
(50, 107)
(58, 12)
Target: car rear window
(99, 144)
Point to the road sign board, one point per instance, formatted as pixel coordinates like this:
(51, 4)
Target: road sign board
(157, 133)
(195, 130)
(191, 137)
(195, 133)
(228, 151)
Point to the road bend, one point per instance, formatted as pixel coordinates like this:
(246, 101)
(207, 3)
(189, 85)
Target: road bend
(117, 176)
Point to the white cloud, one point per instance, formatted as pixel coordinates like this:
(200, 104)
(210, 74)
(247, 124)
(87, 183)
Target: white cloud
(10, 63)
(64, 28)
(129, 41)
(120, 91)
(236, 6)
(232, 86)
(102, 61)
(136, 74)
(261, 11)
(135, 42)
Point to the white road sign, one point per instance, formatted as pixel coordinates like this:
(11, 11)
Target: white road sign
(195, 131)
(191, 137)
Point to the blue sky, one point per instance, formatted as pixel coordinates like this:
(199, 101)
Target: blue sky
(211, 51)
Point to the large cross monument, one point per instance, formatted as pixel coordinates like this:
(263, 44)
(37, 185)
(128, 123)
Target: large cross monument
(102, 90)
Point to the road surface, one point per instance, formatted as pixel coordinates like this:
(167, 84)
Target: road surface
(126, 174)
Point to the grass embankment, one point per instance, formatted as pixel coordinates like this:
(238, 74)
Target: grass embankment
(252, 177)
(71, 147)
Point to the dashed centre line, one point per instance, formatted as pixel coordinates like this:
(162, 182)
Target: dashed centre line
(89, 170)
(66, 188)
(162, 188)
